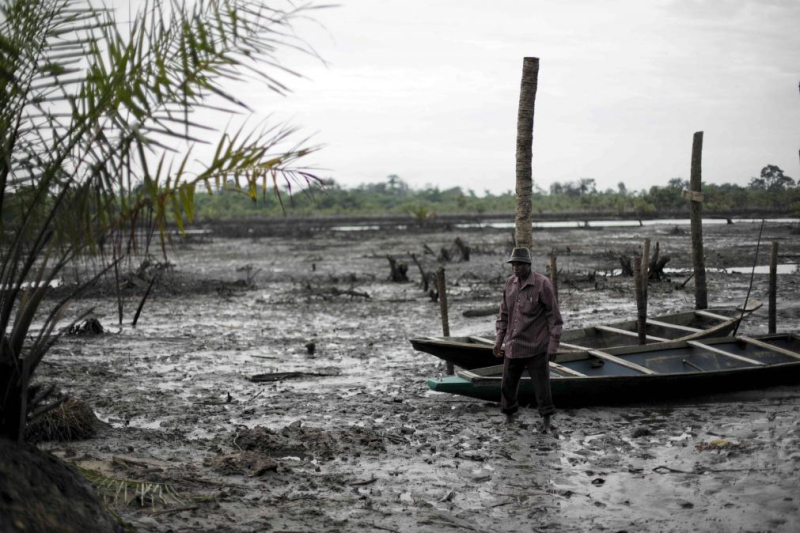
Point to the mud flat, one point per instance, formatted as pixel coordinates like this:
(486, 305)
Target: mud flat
(359, 443)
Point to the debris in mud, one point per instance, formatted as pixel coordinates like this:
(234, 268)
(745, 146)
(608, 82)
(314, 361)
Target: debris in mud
(269, 377)
(677, 231)
(481, 311)
(471, 455)
(250, 463)
(90, 326)
(73, 419)
(717, 445)
(122, 491)
(299, 441)
(329, 293)
(641, 432)
(364, 482)
(250, 273)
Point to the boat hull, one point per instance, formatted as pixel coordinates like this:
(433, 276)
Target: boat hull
(637, 388)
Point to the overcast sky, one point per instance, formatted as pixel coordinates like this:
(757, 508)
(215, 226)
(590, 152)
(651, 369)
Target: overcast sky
(429, 90)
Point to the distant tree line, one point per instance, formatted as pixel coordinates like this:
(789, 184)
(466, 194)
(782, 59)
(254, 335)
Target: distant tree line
(771, 191)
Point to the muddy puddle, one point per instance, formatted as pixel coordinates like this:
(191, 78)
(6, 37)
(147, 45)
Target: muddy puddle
(355, 441)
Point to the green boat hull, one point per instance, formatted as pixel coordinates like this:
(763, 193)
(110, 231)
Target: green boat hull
(708, 372)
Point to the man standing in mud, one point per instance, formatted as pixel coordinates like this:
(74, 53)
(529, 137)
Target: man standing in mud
(528, 333)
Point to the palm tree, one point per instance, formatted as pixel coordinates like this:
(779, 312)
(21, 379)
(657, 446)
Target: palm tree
(91, 114)
(523, 234)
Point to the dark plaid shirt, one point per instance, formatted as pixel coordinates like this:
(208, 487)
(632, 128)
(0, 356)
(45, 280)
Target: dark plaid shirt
(529, 323)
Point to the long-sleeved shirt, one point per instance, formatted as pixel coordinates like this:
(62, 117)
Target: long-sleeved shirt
(529, 323)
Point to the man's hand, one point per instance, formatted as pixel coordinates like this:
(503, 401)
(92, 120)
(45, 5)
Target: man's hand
(552, 357)
(498, 351)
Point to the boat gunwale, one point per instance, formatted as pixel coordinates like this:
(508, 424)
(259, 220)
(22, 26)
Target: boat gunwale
(478, 375)
(704, 334)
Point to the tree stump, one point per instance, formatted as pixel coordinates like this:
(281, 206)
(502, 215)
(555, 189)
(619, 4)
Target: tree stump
(627, 268)
(463, 249)
(399, 270)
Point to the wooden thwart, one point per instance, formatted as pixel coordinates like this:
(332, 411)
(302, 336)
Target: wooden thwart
(577, 347)
(619, 361)
(672, 326)
(762, 344)
(565, 370)
(709, 314)
(481, 340)
(629, 333)
(720, 351)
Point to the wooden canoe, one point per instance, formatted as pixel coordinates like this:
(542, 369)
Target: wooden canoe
(653, 372)
(476, 351)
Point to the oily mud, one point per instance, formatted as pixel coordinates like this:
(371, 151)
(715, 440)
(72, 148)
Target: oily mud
(351, 439)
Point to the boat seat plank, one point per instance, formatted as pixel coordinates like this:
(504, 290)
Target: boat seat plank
(620, 361)
(766, 345)
(573, 346)
(720, 351)
(627, 333)
(565, 370)
(709, 314)
(481, 340)
(673, 326)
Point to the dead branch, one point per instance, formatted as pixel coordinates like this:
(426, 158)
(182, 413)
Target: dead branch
(270, 377)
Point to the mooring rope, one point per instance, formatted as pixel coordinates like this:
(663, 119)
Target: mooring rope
(752, 275)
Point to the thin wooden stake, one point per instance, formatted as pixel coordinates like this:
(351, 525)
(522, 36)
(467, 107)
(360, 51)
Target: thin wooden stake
(116, 282)
(641, 300)
(773, 288)
(144, 299)
(695, 213)
(645, 265)
(441, 282)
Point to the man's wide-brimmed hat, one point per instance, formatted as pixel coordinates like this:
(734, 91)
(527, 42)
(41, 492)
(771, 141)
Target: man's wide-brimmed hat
(520, 255)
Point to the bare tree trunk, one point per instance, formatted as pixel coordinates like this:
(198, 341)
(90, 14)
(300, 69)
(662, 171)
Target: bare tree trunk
(695, 212)
(422, 273)
(527, 100)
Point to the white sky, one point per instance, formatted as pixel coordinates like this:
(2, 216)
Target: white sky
(429, 90)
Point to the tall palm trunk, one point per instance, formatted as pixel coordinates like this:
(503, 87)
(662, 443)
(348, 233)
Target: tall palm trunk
(527, 98)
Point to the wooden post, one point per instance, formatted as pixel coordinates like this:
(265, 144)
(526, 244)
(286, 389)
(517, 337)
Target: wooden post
(554, 274)
(695, 213)
(645, 264)
(641, 299)
(773, 287)
(440, 281)
(523, 235)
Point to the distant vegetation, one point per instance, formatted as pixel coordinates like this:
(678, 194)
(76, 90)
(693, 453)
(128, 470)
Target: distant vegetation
(772, 190)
